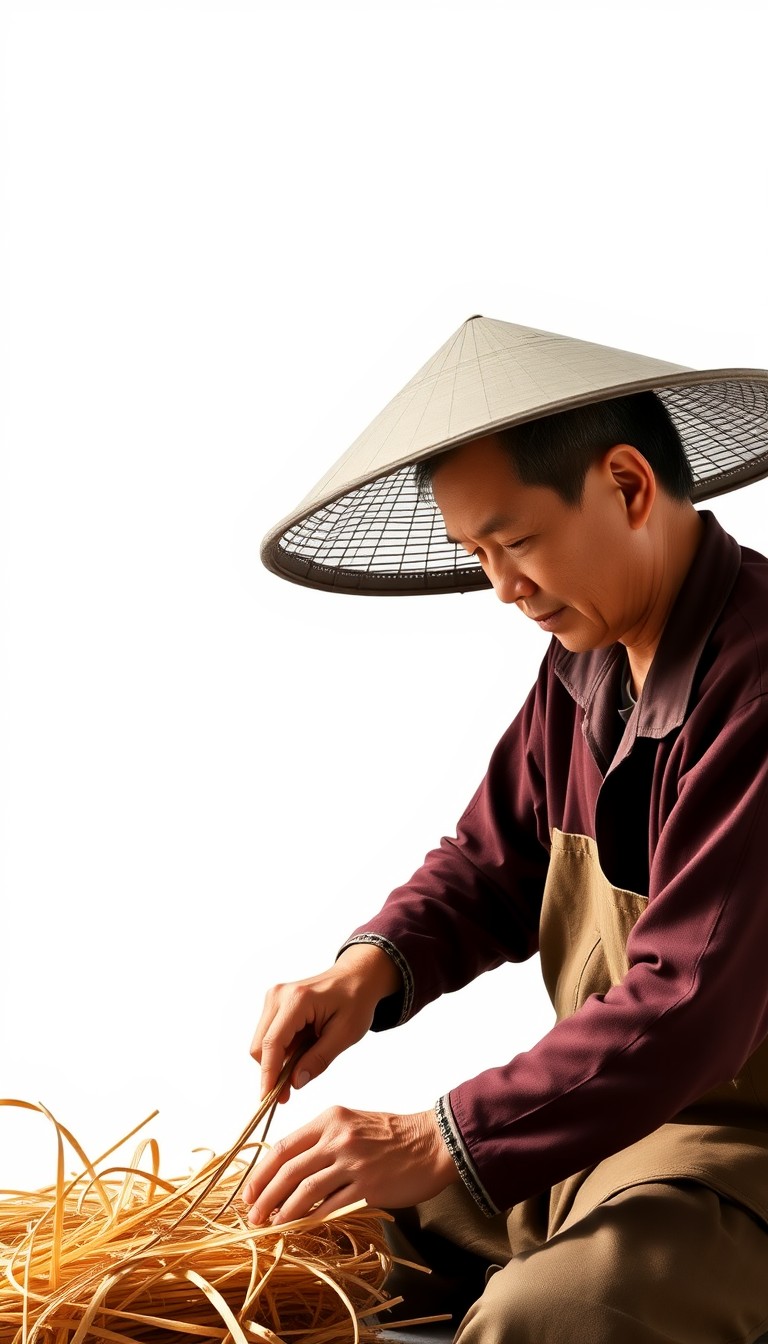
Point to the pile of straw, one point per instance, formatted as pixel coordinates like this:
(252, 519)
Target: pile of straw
(121, 1253)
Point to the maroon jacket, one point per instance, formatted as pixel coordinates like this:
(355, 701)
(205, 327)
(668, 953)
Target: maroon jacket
(678, 806)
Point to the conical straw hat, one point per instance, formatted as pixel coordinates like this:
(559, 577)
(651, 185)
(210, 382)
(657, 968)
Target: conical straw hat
(363, 529)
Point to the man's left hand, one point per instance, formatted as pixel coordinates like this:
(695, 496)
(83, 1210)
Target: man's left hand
(342, 1156)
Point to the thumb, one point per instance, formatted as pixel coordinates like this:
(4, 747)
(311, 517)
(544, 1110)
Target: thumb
(331, 1042)
(312, 1064)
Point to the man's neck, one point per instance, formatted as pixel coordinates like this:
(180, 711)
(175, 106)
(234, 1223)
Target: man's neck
(679, 534)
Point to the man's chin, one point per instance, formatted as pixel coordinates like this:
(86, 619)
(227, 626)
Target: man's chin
(580, 641)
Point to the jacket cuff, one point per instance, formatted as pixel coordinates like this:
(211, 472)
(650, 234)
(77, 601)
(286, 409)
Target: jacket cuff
(451, 1136)
(396, 1008)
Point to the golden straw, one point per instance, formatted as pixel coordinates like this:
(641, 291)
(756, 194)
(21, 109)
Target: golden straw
(121, 1253)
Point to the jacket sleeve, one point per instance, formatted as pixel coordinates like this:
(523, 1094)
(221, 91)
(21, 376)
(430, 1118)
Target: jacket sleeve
(476, 899)
(686, 1016)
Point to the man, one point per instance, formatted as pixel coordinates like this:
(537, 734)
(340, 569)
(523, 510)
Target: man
(612, 1183)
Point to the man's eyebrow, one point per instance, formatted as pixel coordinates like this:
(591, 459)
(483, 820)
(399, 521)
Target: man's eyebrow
(496, 523)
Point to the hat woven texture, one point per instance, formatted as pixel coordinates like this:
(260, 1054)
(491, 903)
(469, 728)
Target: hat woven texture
(364, 529)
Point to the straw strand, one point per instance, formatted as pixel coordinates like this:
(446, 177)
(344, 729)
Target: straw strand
(121, 1254)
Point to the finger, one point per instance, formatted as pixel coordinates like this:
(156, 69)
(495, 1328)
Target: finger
(285, 1092)
(271, 1002)
(276, 1182)
(339, 1199)
(334, 1037)
(281, 1038)
(295, 1192)
(284, 1151)
(266, 1168)
(285, 1013)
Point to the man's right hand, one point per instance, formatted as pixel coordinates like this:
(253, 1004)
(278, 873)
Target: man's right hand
(329, 1011)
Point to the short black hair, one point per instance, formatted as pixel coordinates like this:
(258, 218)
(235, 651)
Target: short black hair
(558, 450)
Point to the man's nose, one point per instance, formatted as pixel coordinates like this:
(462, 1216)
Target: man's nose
(509, 583)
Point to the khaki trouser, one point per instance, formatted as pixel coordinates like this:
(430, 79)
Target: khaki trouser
(664, 1241)
(653, 1264)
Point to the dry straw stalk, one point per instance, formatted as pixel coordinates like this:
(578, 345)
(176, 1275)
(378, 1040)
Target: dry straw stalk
(121, 1253)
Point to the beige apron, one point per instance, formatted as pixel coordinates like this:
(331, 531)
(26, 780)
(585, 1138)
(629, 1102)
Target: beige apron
(722, 1139)
(705, 1279)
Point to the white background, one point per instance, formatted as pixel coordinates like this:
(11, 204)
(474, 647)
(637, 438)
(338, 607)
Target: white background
(230, 234)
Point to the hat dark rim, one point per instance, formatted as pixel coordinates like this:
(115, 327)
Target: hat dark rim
(331, 579)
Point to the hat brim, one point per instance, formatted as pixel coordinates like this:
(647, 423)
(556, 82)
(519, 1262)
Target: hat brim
(375, 535)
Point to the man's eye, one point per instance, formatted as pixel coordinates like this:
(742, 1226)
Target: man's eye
(514, 545)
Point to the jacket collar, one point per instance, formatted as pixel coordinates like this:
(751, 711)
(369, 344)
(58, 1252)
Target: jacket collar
(592, 679)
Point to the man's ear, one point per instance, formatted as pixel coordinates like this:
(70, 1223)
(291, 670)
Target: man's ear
(634, 477)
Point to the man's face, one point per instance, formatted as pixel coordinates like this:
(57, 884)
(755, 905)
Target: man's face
(567, 567)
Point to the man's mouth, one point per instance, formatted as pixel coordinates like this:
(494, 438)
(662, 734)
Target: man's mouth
(547, 616)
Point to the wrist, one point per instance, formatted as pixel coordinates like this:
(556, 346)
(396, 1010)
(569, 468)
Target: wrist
(436, 1153)
(373, 967)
